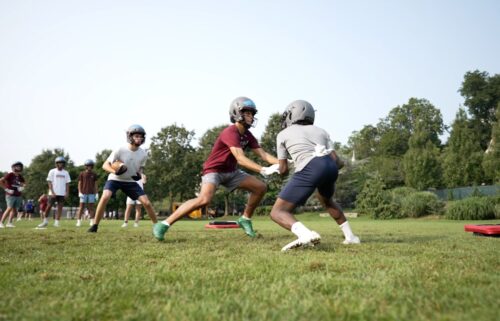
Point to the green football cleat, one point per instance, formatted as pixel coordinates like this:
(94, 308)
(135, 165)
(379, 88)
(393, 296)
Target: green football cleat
(246, 225)
(159, 230)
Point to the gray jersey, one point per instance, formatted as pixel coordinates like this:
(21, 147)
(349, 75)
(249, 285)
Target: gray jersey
(134, 160)
(300, 142)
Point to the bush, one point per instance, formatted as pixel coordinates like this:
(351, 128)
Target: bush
(401, 192)
(371, 196)
(263, 210)
(420, 204)
(386, 211)
(472, 208)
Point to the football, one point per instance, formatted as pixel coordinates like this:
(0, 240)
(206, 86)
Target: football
(119, 167)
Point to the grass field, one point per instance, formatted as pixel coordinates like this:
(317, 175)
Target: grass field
(426, 269)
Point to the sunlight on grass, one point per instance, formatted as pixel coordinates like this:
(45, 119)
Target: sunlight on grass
(425, 269)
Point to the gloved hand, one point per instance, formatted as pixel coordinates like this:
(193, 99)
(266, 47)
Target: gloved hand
(121, 170)
(20, 188)
(137, 177)
(80, 195)
(9, 191)
(96, 197)
(267, 171)
(321, 150)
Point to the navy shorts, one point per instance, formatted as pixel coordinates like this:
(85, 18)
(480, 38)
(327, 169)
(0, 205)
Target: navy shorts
(131, 189)
(320, 173)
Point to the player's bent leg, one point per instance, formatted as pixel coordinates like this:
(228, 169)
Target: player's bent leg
(206, 194)
(337, 214)
(281, 213)
(257, 190)
(149, 207)
(101, 207)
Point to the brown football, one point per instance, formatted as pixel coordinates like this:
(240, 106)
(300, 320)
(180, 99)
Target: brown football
(119, 167)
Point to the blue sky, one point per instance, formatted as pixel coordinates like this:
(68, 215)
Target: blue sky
(76, 74)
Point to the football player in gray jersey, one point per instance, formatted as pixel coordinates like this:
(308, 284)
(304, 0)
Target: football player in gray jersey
(315, 168)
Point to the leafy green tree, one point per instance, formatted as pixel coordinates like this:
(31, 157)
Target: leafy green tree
(491, 160)
(268, 139)
(364, 143)
(173, 166)
(421, 162)
(482, 95)
(390, 169)
(401, 123)
(463, 155)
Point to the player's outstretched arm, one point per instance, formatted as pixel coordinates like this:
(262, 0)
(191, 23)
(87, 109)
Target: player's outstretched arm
(244, 161)
(265, 156)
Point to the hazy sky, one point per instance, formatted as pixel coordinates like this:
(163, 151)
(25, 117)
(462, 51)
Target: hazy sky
(76, 74)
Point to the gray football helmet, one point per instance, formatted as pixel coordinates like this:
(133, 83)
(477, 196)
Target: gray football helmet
(135, 129)
(89, 162)
(60, 159)
(298, 112)
(238, 106)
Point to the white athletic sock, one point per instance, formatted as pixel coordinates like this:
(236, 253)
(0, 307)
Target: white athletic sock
(346, 229)
(300, 229)
(78, 221)
(246, 218)
(46, 220)
(165, 223)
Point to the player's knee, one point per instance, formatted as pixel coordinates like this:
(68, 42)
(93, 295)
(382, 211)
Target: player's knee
(203, 201)
(261, 188)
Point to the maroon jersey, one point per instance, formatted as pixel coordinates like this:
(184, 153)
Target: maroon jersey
(87, 180)
(221, 160)
(13, 181)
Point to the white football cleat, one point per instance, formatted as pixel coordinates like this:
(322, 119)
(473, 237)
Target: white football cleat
(43, 225)
(354, 240)
(309, 240)
(136, 224)
(10, 225)
(78, 223)
(124, 224)
(1, 225)
(56, 223)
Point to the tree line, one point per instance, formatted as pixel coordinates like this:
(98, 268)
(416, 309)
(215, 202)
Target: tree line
(403, 149)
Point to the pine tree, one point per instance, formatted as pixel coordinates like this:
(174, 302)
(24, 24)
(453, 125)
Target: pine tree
(463, 155)
(491, 161)
(421, 162)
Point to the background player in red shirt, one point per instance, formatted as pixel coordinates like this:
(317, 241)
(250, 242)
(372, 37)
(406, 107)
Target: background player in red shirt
(13, 183)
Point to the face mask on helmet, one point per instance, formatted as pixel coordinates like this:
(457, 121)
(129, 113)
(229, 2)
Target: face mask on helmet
(17, 167)
(237, 109)
(139, 139)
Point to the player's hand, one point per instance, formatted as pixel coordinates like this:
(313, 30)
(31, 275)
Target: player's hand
(121, 170)
(80, 195)
(20, 188)
(9, 191)
(267, 171)
(96, 197)
(137, 177)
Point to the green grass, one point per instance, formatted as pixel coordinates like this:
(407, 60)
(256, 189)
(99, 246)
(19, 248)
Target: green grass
(414, 269)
